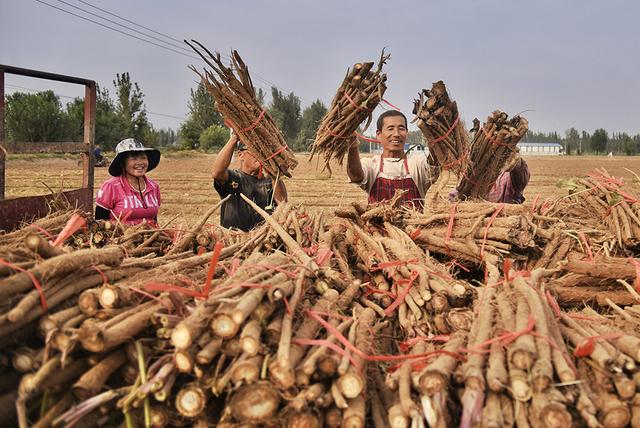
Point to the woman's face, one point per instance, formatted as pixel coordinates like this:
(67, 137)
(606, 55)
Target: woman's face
(136, 164)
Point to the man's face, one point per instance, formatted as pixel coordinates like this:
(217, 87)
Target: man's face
(249, 164)
(393, 134)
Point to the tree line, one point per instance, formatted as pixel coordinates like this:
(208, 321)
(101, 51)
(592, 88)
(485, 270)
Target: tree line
(577, 142)
(42, 116)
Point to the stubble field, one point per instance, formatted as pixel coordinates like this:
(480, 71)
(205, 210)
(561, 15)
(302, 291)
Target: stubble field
(187, 191)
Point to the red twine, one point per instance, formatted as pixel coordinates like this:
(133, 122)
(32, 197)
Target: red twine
(415, 233)
(588, 345)
(389, 104)
(332, 330)
(105, 280)
(395, 263)
(401, 295)
(163, 287)
(446, 134)
(535, 203)
(353, 103)
(370, 140)
(277, 152)
(34, 280)
(230, 123)
(583, 237)
(486, 229)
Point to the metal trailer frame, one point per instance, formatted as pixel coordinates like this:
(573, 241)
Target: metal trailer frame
(14, 211)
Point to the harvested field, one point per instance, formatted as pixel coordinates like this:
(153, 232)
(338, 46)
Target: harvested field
(186, 187)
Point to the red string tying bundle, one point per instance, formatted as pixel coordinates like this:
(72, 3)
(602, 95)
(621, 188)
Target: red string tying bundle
(486, 229)
(446, 134)
(34, 280)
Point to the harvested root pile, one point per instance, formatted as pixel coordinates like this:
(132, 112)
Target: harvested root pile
(358, 95)
(366, 316)
(492, 146)
(439, 120)
(604, 196)
(236, 100)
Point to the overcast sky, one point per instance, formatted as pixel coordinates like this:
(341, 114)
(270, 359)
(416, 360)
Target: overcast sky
(565, 63)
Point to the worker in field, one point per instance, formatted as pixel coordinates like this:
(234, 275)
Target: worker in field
(129, 195)
(510, 184)
(381, 175)
(248, 180)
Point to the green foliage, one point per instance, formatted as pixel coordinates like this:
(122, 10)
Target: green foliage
(35, 117)
(130, 108)
(571, 184)
(202, 114)
(109, 127)
(599, 140)
(285, 111)
(189, 135)
(214, 137)
(629, 145)
(165, 137)
(572, 141)
(260, 96)
(40, 117)
(311, 117)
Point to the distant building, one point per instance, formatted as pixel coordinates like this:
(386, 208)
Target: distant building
(540, 149)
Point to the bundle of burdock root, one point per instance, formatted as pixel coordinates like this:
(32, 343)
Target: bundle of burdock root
(438, 118)
(492, 147)
(235, 98)
(358, 95)
(368, 315)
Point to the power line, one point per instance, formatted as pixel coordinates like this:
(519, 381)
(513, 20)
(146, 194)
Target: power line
(121, 25)
(115, 29)
(38, 90)
(130, 22)
(226, 57)
(167, 115)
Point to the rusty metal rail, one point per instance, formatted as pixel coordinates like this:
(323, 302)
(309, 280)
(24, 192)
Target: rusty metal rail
(14, 211)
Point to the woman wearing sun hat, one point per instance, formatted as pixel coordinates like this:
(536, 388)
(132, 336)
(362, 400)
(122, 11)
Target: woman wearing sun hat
(129, 195)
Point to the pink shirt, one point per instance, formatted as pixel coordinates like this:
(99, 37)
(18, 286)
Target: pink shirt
(118, 196)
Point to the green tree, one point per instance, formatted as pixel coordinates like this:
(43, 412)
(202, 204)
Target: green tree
(260, 96)
(285, 111)
(202, 114)
(585, 143)
(311, 117)
(35, 117)
(214, 137)
(165, 137)
(130, 108)
(572, 140)
(628, 144)
(599, 140)
(109, 127)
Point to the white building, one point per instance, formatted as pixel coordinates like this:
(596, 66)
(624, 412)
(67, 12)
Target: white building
(541, 149)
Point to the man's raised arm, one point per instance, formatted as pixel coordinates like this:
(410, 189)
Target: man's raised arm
(354, 165)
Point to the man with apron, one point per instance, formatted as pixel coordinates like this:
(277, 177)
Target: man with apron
(381, 175)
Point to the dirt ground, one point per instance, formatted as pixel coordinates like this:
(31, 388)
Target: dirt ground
(187, 189)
